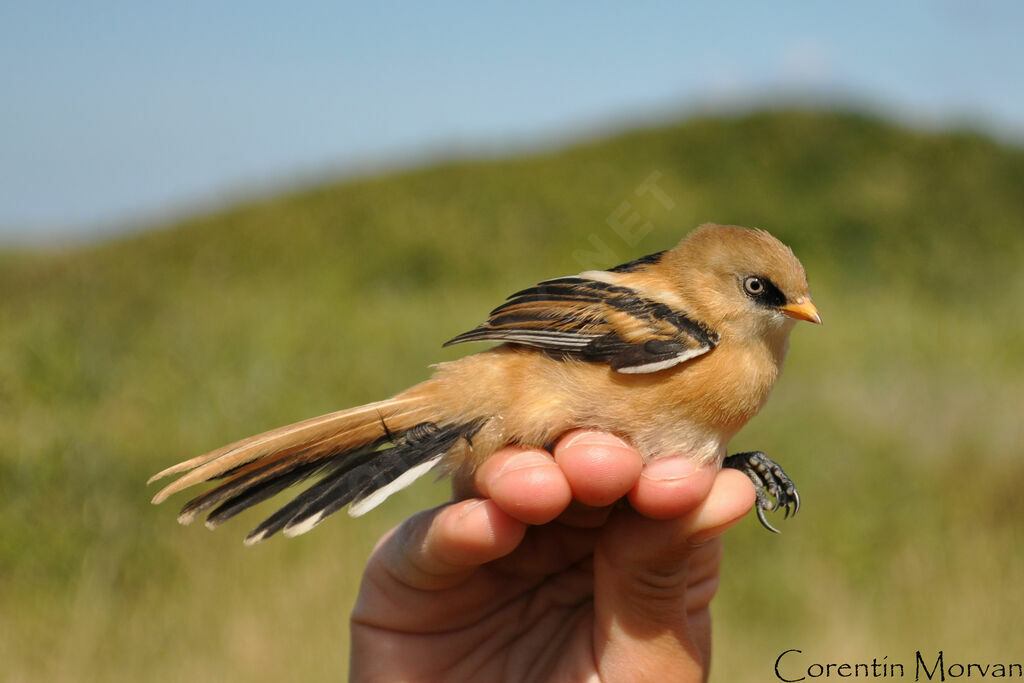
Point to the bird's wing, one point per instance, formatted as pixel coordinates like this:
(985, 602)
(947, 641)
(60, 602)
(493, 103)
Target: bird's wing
(592, 318)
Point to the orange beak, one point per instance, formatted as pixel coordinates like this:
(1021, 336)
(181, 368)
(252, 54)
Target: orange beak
(802, 309)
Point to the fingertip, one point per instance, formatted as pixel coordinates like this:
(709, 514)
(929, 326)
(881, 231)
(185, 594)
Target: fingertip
(671, 487)
(470, 533)
(738, 483)
(732, 496)
(599, 467)
(526, 484)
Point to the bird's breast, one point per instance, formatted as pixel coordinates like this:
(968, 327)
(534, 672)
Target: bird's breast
(697, 408)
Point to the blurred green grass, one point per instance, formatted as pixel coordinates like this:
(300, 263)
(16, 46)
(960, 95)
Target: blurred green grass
(900, 418)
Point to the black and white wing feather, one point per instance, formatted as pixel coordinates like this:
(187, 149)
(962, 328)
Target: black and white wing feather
(596, 320)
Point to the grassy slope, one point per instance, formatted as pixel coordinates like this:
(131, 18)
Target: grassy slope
(899, 418)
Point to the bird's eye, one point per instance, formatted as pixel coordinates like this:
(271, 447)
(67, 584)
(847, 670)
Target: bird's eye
(754, 286)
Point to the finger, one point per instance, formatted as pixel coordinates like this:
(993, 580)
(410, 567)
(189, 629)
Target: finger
(526, 484)
(654, 578)
(670, 487)
(424, 575)
(732, 496)
(600, 467)
(640, 607)
(438, 548)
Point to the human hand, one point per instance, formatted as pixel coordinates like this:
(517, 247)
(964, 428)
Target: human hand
(545, 577)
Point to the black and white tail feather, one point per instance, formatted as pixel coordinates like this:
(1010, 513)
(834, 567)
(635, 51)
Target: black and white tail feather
(365, 479)
(360, 461)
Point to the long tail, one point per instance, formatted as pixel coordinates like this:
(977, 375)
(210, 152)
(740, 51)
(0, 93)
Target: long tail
(362, 455)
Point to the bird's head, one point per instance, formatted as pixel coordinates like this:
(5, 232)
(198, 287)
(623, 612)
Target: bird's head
(742, 280)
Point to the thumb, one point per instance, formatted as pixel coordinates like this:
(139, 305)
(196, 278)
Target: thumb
(653, 583)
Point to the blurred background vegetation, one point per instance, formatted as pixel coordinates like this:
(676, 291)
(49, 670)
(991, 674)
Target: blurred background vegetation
(900, 418)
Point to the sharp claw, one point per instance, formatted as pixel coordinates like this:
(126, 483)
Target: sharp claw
(764, 521)
(774, 488)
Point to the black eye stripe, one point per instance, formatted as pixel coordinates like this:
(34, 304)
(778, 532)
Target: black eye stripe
(769, 295)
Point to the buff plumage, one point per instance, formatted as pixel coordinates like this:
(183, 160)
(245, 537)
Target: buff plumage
(674, 351)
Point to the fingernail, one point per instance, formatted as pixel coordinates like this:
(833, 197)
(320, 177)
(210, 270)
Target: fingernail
(524, 461)
(669, 469)
(466, 509)
(603, 439)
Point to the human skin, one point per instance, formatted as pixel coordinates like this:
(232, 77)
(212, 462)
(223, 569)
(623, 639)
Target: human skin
(546, 574)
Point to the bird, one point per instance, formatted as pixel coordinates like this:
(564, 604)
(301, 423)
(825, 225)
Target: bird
(674, 352)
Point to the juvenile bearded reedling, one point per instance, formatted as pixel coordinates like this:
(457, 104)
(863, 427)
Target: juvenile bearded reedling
(674, 351)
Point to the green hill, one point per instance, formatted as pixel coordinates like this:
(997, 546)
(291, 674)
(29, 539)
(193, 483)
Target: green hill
(900, 418)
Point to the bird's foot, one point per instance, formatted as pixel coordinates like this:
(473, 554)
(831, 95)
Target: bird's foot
(773, 486)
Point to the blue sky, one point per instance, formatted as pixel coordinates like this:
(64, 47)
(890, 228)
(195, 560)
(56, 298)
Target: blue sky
(118, 113)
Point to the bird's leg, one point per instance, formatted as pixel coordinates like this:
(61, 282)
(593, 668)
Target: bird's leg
(770, 482)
